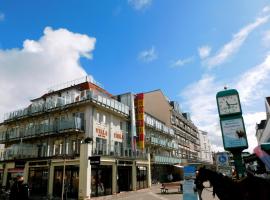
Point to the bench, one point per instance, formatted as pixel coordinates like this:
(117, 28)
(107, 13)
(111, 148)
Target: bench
(173, 185)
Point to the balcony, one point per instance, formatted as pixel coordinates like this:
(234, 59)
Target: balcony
(116, 151)
(63, 102)
(157, 125)
(163, 143)
(166, 160)
(74, 124)
(39, 151)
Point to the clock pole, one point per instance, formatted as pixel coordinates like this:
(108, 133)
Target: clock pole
(232, 126)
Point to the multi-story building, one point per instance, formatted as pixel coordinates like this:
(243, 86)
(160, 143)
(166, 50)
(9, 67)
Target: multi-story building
(263, 128)
(128, 138)
(171, 139)
(187, 135)
(50, 142)
(205, 154)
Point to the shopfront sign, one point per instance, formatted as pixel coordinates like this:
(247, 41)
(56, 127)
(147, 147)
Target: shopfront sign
(118, 136)
(101, 133)
(94, 160)
(139, 107)
(20, 164)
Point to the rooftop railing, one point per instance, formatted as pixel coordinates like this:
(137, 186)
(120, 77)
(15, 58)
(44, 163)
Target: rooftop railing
(60, 102)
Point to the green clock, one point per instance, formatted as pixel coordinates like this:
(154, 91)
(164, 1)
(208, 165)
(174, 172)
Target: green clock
(228, 102)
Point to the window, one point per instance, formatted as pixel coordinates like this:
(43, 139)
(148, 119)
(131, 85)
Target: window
(104, 119)
(121, 125)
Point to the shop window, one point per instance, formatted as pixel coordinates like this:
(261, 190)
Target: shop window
(101, 180)
(71, 181)
(38, 182)
(141, 177)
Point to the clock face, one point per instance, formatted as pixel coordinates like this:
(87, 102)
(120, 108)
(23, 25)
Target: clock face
(228, 105)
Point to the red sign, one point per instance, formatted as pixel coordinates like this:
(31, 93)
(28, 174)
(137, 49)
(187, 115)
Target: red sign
(139, 111)
(118, 136)
(102, 133)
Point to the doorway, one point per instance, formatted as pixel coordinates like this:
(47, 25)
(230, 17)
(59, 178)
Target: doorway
(124, 178)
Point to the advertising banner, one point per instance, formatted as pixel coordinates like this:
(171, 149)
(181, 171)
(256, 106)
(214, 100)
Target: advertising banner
(139, 110)
(234, 134)
(188, 187)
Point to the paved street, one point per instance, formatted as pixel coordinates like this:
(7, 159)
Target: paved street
(153, 193)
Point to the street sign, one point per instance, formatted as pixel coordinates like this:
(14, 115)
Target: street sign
(222, 159)
(94, 160)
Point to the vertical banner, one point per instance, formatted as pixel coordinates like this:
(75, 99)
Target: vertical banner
(188, 187)
(133, 123)
(139, 107)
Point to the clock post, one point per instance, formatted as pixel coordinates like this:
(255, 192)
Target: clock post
(232, 126)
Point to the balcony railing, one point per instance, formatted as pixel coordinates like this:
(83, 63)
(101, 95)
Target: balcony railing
(60, 102)
(163, 143)
(37, 130)
(166, 160)
(157, 125)
(24, 151)
(116, 151)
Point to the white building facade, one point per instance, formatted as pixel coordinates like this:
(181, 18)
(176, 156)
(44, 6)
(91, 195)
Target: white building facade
(205, 148)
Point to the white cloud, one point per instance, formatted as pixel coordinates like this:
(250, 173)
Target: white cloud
(140, 4)
(182, 62)
(148, 55)
(2, 16)
(266, 38)
(54, 58)
(233, 46)
(253, 83)
(266, 9)
(251, 119)
(252, 86)
(204, 51)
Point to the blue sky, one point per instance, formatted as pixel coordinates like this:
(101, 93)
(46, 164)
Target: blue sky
(189, 49)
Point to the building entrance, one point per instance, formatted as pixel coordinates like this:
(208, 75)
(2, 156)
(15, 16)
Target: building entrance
(124, 178)
(38, 181)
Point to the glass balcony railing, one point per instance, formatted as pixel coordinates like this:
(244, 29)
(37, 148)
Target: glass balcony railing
(59, 102)
(37, 130)
(116, 151)
(166, 160)
(157, 125)
(163, 143)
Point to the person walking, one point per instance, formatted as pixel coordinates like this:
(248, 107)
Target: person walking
(199, 185)
(19, 190)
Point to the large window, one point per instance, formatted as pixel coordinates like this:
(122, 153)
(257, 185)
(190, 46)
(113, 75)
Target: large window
(38, 181)
(141, 177)
(101, 180)
(101, 146)
(71, 186)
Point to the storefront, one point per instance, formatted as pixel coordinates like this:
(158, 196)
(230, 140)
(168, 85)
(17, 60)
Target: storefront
(124, 178)
(101, 180)
(12, 175)
(38, 181)
(71, 186)
(141, 172)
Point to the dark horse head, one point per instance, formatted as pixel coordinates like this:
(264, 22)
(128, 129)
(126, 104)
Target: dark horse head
(224, 187)
(248, 188)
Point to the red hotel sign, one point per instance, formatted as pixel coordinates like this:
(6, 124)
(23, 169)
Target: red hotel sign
(101, 133)
(139, 105)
